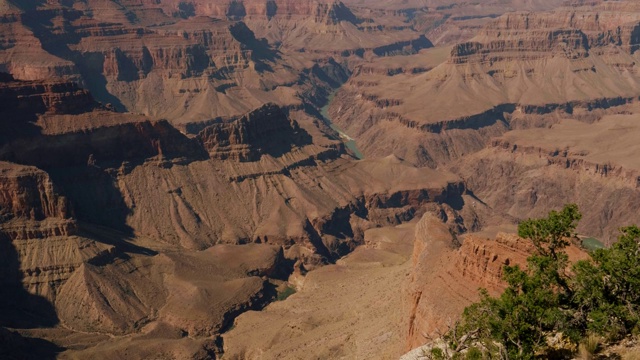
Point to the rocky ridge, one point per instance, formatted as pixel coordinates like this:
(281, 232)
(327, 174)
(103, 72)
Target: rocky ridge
(519, 69)
(173, 59)
(114, 218)
(129, 217)
(244, 139)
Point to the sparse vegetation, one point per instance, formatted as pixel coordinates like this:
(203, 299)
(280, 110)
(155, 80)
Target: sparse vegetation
(552, 306)
(589, 347)
(436, 354)
(284, 294)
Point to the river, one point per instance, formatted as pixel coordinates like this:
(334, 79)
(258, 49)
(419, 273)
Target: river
(349, 142)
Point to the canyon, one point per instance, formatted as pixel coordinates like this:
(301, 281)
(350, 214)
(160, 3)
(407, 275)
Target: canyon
(170, 171)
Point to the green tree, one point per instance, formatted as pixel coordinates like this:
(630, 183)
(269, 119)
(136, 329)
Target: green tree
(600, 295)
(607, 295)
(550, 235)
(536, 300)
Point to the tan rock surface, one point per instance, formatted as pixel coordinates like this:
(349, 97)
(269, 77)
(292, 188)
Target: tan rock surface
(593, 165)
(352, 310)
(123, 235)
(568, 60)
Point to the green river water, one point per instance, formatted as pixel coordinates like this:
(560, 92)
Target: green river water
(349, 142)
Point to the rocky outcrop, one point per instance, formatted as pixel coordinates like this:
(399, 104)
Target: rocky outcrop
(447, 273)
(111, 146)
(482, 261)
(445, 276)
(434, 241)
(27, 192)
(21, 102)
(24, 98)
(34, 230)
(267, 130)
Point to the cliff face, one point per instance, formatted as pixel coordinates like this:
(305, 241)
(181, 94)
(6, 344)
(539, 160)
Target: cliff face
(117, 215)
(110, 145)
(21, 102)
(265, 130)
(447, 273)
(27, 192)
(521, 62)
(43, 97)
(570, 43)
(445, 278)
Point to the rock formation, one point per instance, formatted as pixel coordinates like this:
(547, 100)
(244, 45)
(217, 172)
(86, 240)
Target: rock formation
(165, 167)
(522, 70)
(106, 215)
(447, 273)
(266, 130)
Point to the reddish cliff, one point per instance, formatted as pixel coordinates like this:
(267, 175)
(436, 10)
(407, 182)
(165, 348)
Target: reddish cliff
(446, 277)
(23, 98)
(27, 192)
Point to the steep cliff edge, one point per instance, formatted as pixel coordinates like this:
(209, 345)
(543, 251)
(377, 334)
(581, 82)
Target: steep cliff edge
(265, 130)
(447, 273)
(28, 192)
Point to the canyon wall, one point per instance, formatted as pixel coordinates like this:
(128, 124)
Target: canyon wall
(117, 215)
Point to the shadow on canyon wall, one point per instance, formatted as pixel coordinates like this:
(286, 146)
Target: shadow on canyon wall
(21, 310)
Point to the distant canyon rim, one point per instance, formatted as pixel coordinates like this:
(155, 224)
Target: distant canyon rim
(279, 179)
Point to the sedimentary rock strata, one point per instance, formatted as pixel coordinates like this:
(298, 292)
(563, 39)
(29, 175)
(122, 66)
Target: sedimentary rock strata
(166, 166)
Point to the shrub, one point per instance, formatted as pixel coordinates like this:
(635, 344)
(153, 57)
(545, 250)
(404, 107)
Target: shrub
(599, 296)
(436, 354)
(474, 354)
